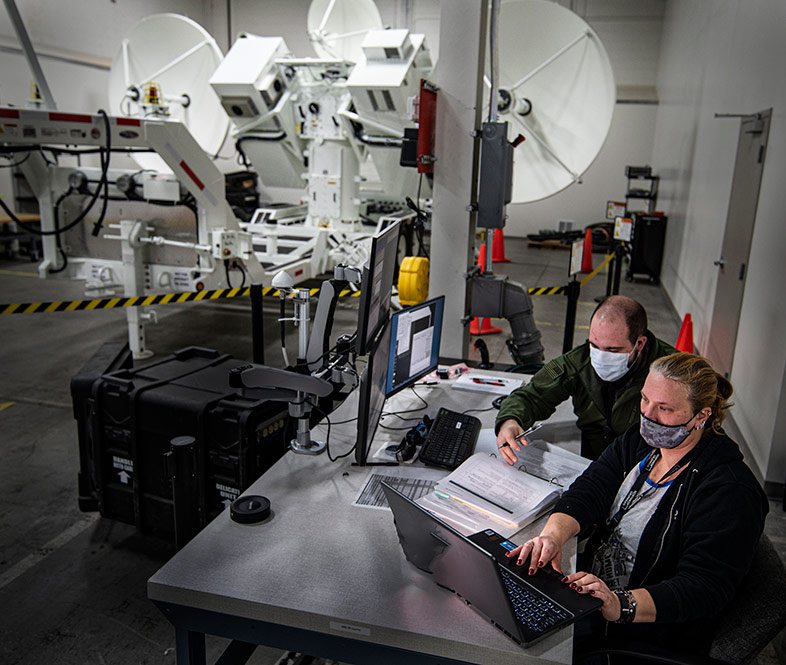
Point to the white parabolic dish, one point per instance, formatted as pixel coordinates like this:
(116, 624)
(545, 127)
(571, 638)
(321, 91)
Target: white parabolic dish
(337, 27)
(551, 57)
(181, 56)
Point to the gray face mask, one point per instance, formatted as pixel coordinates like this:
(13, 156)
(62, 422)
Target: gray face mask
(663, 436)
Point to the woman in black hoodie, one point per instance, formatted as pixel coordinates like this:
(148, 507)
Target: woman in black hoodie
(672, 512)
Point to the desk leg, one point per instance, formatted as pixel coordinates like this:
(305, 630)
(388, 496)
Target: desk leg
(190, 647)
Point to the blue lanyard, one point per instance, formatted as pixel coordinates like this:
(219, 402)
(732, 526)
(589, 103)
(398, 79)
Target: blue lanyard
(635, 494)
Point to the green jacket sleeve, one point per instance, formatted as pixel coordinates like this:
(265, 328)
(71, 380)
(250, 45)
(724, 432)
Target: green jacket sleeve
(538, 399)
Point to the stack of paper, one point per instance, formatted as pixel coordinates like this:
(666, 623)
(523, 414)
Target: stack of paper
(486, 492)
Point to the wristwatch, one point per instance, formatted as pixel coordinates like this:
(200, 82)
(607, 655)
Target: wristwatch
(627, 606)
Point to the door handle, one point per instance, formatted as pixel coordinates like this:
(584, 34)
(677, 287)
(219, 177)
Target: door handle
(720, 262)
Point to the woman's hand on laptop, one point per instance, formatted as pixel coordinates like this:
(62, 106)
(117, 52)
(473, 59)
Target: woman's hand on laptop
(547, 547)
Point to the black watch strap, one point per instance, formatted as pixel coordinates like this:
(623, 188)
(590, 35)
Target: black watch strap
(627, 606)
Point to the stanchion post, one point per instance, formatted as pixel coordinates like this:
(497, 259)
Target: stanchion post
(618, 254)
(257, 325)
(610, 273)
(181, 465)
(572, 291)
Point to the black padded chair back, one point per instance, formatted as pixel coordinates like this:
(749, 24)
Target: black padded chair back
(757, 613)
(753, 619)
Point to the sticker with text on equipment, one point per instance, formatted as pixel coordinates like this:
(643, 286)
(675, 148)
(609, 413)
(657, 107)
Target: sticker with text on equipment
(622, 228)
(126, 467)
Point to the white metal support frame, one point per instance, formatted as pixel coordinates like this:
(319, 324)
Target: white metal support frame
(132, 233)
(219, 235)
(218, 226)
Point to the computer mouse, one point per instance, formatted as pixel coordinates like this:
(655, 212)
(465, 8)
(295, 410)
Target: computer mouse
(497, 401)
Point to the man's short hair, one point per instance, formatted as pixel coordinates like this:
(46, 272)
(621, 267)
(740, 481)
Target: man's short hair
(627, 309)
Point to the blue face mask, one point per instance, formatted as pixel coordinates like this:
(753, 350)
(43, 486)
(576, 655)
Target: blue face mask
(664, 436)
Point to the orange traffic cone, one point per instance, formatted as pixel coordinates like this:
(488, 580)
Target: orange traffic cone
(483, 327)
(498, 248)
(482, 258)
(685, 338)
(586, 258)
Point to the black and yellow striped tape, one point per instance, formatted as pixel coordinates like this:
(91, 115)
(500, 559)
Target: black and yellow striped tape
(141, 301)
(216, 294)
(547, 291)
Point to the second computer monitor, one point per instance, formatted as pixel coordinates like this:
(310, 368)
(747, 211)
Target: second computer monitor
(376, 287)
(415, 335)
(371, 398)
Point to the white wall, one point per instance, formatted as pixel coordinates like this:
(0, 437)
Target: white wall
(727, 57)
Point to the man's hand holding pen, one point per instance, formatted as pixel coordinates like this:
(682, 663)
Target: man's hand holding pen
(510, 438)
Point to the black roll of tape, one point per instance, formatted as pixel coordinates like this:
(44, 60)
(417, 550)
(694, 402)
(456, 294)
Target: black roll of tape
(250, 509)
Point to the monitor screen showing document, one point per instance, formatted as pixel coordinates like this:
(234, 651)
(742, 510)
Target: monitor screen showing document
(415, 334)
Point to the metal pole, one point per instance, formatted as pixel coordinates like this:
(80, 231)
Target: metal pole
(617, 268)
(572, 291)
(257, 325)
(610, 274)
(181, 462)
(30, 55)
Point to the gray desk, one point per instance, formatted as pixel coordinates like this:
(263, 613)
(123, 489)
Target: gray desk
(325, 578)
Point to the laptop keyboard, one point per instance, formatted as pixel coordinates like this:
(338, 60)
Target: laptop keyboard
(451, 439)
(533, 610)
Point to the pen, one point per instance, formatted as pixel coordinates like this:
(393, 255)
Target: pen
(488, 383)
(532, 429)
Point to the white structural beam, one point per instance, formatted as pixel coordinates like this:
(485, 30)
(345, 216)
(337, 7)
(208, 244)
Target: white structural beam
(459, 108)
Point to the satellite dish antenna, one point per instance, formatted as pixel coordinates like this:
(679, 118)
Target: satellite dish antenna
(336, 28)
(178, 55)
(556, 88)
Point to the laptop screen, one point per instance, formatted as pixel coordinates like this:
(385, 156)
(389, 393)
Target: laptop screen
(456, 562)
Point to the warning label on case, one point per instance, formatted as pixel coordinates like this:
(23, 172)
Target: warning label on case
(123, 463)
(227, 492)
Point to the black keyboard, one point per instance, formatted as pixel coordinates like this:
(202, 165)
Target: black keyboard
(451, 439)
(532, 609)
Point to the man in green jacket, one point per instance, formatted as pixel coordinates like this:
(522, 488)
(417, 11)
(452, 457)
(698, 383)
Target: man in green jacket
(604, 377)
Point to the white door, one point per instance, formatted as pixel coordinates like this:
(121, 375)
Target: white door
(733, 261)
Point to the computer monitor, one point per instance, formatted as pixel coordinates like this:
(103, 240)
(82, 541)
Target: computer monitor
(376, 287)
(371, 398)
(415, 334)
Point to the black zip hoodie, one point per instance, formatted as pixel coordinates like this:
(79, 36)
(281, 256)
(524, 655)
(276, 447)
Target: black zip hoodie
(698, 544)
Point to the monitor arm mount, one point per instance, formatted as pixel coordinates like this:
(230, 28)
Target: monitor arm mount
(319, 344)
(302, 391)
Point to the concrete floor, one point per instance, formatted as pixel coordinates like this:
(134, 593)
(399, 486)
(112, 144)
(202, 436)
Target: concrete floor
(73, 584)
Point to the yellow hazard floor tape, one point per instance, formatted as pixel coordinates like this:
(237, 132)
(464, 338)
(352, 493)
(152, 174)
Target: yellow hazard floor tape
(137, 301)
(606, 261)
(216, 294)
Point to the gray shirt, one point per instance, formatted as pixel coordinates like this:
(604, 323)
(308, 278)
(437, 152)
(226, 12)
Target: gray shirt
(614, 559)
